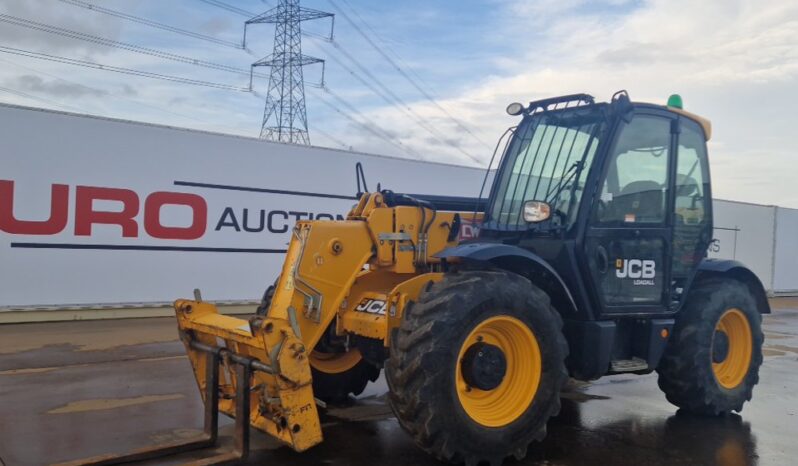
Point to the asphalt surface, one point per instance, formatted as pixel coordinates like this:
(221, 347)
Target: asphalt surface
(79, 389)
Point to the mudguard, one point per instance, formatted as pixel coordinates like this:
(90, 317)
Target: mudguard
(738, 270)
(496, 254)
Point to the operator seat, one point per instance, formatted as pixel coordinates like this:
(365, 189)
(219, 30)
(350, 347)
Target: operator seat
(640, 201)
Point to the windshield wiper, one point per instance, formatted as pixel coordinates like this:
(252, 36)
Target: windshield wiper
(568, 176)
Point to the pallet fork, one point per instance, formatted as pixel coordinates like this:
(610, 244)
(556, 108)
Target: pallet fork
(244, 368)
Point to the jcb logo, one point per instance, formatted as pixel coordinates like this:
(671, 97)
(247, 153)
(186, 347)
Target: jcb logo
(635, 268)
(371, 306)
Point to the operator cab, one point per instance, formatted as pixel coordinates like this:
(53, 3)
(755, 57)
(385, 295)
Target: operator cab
(614, 196)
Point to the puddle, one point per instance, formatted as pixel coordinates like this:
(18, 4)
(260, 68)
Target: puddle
(582, 397)
(364, 409)
(111, 403)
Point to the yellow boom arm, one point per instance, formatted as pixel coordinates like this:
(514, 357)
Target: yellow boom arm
(363, 270)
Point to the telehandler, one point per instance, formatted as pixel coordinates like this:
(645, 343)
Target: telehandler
(590, 260)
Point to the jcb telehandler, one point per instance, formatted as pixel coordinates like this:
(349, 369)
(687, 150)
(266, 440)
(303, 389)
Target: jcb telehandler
(590, 260)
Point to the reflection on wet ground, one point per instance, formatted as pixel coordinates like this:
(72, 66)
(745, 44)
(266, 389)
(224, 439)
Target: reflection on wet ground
(61, 398)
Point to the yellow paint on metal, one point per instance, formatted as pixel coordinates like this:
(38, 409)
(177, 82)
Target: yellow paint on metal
(335, 363)
(366, 312)
(286, 398)
(731, 372)
(372, 285)
(381, 221)
(321, 286)
(506, 403)
(329, 269)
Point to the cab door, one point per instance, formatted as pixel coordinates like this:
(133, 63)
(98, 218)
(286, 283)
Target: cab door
(628, 238)
(692, 207)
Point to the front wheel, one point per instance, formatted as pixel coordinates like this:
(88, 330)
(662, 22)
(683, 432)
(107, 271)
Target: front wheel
(476, 367)
(711, 363)
(336, 375)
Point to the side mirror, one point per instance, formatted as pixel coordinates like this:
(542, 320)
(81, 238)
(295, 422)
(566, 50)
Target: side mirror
(536, 211)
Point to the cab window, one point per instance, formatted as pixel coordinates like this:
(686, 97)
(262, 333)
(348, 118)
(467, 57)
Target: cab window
(634, 187)
(692, 222)
(691, 177)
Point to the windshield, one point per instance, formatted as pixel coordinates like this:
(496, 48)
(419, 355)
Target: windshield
(547, 160)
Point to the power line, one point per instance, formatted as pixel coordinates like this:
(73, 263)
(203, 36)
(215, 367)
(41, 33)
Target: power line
(332, 138)
(179, 80)
(386, 44)
(150, 23)
(385, 134)
(176, 79)
(384, 92)
(122, 45)
(250, 14)
(394, 99)
(105, 92)
(367, 127)
(118, 69)
(230, 8)
(401, 71)
(40, 99)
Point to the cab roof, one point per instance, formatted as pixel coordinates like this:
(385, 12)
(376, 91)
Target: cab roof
(704, 122)
(553, 103)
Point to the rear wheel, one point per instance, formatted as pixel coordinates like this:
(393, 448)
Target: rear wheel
(476, 367)
(711, 363)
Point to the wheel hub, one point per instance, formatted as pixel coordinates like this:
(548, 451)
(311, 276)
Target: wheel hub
(720, 347)
(484, 366)
(732, 348)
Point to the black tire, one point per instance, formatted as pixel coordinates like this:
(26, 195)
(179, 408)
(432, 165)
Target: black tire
(686, 373)
(336, 387)
(266, 300)
(421, 369)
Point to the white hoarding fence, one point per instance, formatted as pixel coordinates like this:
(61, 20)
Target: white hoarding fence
(764, 238)
(103, 211)
(108, 212)
(785, 270)
(745, 232)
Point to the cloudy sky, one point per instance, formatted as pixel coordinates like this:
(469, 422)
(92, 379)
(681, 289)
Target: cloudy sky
(454, 66)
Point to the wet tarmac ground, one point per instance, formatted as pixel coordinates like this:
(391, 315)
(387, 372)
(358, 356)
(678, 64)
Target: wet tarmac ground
(79, 389)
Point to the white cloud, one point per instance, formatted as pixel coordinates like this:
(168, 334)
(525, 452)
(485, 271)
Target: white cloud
(733, 61)
(52, 12)
(713, 52)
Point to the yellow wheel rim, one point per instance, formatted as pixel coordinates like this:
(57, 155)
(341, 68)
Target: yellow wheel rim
(732, 370)
(335, 363)
(511, 398)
